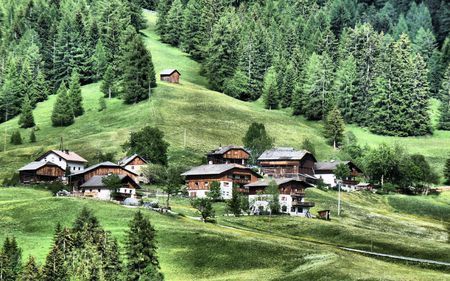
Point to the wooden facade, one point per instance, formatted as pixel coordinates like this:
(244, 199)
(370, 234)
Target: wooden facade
(100, 170)
(137, 161)
(236, 155)
(288, 168)
(46, 173)
(171, 76)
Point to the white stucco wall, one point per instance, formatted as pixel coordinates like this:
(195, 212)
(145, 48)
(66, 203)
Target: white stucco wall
(226, 191)
(54, 158)
(257, 201)
(329, 179)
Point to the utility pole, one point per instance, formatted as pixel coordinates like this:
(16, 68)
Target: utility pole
(339, 198)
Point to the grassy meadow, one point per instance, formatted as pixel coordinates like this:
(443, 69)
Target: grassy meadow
(209, 119)
(192, 250)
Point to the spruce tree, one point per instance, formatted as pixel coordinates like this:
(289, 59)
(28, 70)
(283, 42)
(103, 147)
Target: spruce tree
(12, 257)
(222, 50)
(39, 88)
(140, 247)
(62, 114)
(287, 89)
(237, 86)
(101, 104)
(270, 90)
(31, 271)
(297, 100)
(74, 92)
(172, 28)
(447, 171)
(334, 127)
(194, 35)
(345, 87)
(26, 119)
(100, 59)
(138, 72)
(32, 136)
(163, 11)
(400, 28)
(107, 87)
(54, 268)
(16, 138)
(444, 93)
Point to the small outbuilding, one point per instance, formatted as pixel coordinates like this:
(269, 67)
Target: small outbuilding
(170, 75)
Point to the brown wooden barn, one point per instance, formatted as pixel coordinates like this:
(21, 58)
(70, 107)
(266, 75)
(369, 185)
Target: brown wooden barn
(40, 171)
(228, 155)
(101, 169)
(287, 162)
(170, 75)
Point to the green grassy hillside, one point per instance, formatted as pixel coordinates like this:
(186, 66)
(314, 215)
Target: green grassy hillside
(209, 118)
(192, 250)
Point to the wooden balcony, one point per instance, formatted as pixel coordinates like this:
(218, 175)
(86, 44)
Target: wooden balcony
(303, 204)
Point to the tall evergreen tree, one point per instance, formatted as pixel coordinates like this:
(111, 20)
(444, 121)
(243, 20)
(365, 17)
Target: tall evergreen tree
(31, 271)
(26, 119)
(270, 90)
(141, 247)
(289, 81)
(334, 127)
(172, 28)
(12, 258)
(444, 120)
(222, 50)
(62, 114)
(345, 87)
(138, 72)
(75, 96)
(100, 59)
(163, 11)
(195, 29)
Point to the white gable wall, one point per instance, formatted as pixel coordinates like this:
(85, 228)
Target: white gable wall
(55, 158)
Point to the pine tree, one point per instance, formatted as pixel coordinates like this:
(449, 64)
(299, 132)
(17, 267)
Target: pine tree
(345, 87)
(62, 114)
(194, 35)
(287, 89)
(100, 59)
(16, 138)
(141, 247)
(222, 51)
(136, 16)
(163, 11)
(26, 119)
(447, 171)
(237, 86)
(32, 136)
(107, 87)
(54, 268)
(334, 127)
(400, 28)
(138, 72)
(12, 256)
(444, 93)
(418, 17)
(74, 92)
(31, 271)
(297, 100)
(270, 90)
(317, 87)
(172, 28)
(39, 88)
(101, 104)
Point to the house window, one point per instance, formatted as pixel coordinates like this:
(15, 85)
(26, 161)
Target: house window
(90, 190)
(196, 184)
(284, 209)
(292, 209)
(99, 190)
(60, 159)
(132, 167)
(131, 191)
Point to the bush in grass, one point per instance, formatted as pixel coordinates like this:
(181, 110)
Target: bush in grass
(55, 186)
(214, 191)
(101, 104)
(14, 180)
(32, 137)
(16, 138)
(204, 206)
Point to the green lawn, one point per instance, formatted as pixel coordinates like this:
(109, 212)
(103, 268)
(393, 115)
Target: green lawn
(192, 250)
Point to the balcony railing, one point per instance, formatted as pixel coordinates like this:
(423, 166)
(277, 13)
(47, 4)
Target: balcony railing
(303, 204)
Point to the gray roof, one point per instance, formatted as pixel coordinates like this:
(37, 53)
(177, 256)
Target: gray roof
(283, 153)
(332, 165)
(36, 165)
(212, 169)
(97, 181)
(266, 181)
(127, 159)
(168, 71)
(225, 149)
(107, 164)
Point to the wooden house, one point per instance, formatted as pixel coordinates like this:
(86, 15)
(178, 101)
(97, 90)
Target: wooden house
(229, 176)
(94, 187)
(229, 155)
(170, 75)
(286, 162)
(326, 172)
(64, 159)
(291, 198)
(101, 169)
(135, 163)
(40, 171)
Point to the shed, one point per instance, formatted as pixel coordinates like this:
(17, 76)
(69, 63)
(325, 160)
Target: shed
(324, 214)
(40, 171)
(170, 75)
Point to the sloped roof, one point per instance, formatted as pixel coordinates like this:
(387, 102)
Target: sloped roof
(168, 72)
(214, 169)
(279, 181)
(283, 153)
(331, 165)
(103, 164)
(127, 159)
(37, 165)
(67, 155)
(225, 149)
(97, 181)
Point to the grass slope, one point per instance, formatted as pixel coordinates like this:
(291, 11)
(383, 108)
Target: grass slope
(192, 250)
(209, 119)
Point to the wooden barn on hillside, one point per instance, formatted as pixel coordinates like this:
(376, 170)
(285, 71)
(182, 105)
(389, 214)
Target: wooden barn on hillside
(101, 169)
(40, 171)
(170, 75)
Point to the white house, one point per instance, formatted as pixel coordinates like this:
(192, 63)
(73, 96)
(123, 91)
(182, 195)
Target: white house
(326, 172)
(64, 159)
(95, 187)
(291, 196)
(135, 163)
